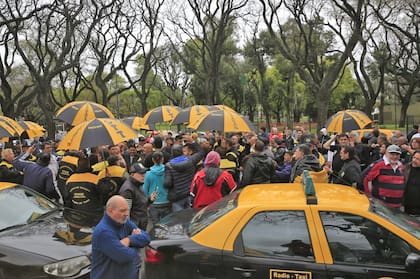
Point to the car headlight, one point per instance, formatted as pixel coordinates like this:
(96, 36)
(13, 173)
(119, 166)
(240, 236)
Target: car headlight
(68, 267)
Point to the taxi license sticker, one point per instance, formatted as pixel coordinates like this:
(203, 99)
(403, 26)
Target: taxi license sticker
(289, 274)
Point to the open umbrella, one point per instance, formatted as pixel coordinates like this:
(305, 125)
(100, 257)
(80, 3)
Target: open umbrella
(79, 111)
(32, 129)
(223, 107)
(137, 123)
(190, 114)
(13, 124)
(161, 114)
(96, 132)
(6, 131)
(223, 120)
(347, 120)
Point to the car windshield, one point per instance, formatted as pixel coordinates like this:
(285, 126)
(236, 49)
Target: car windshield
(397, 217)
(20, 206)
(212, 212)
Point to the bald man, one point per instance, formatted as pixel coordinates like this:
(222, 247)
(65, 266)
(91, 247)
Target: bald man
(116, 243)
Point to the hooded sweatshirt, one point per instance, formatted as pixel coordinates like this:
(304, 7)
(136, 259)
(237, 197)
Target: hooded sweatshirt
(211, 184)
(153, 182)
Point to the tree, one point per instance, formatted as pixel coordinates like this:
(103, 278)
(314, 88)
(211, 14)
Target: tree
(175, 81)
(207, 35)
(313, 45)
(256, 52)
(52, 42)
(402, 25)
(14, 97)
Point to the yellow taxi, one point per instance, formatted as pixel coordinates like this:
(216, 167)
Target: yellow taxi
(367, 133)
(287, 231)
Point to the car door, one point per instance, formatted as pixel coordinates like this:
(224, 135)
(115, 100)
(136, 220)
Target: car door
(363, 249)
(273, 244)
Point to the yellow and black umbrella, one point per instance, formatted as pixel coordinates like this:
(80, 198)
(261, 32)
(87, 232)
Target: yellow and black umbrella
(77, 112)
(31, 129)
(223, 107)
(137, 123)
(96, 132)
(13, 124)
(190, 114)
(161, 114)
(347, 120)
(6, 131)
(223, 120)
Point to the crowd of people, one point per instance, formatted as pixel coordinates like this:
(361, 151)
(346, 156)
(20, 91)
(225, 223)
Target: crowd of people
(147, 178)
(163, 173)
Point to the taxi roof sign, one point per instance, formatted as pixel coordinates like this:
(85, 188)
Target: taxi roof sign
(308, 188)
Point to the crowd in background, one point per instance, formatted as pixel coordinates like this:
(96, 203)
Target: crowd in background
(165, 172)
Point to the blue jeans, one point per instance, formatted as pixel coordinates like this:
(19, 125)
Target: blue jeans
(181, 204)
(158, 211)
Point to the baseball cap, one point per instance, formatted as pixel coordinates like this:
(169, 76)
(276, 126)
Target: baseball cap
(415, 136)
(138, 168)
(393, 149)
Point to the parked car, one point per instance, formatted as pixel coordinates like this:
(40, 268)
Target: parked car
(285, 231)
(40, 239)
(367, 133)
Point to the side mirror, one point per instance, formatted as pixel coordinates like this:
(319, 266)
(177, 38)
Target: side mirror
(412, 262)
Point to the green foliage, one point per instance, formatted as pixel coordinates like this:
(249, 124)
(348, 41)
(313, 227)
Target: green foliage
(347, 94)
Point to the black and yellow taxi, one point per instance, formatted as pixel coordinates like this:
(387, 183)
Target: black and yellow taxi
(40, 239)
(287, 231)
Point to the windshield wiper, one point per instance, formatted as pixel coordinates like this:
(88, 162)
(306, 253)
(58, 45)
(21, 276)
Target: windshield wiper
(13, 227)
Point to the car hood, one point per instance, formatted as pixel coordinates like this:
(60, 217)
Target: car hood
(62, 234)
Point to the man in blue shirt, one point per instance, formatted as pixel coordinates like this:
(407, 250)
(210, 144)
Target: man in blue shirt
(116, 242)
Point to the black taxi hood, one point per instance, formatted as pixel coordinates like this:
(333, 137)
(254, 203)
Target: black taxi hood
(61, 235)
(174, 225)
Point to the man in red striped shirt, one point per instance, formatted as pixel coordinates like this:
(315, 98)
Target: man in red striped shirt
(385, 179)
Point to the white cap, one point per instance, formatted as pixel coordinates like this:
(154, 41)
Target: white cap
(415, 136)
(324, 131)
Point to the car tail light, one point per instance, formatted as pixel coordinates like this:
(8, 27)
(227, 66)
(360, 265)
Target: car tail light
(154, 256)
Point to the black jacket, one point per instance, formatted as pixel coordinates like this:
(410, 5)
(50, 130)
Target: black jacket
(259, 169)
(308, 162)
(179, 173)
(8, 173)
(132, 190)
(411, 198)
(350, 173)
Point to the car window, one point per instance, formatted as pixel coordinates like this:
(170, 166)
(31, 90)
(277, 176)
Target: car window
(277, 233)
(406, 222)
(19, 205)
(357, 240)
(212, 212)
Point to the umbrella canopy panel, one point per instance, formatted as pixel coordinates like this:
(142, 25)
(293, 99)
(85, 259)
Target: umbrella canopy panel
(161, 114)
(137, 123)
(190, 114)
(6, 131)
(77, 112)
(223, 120)
(13, 124)
(32, 129)
(347, 120)
(96, 132)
